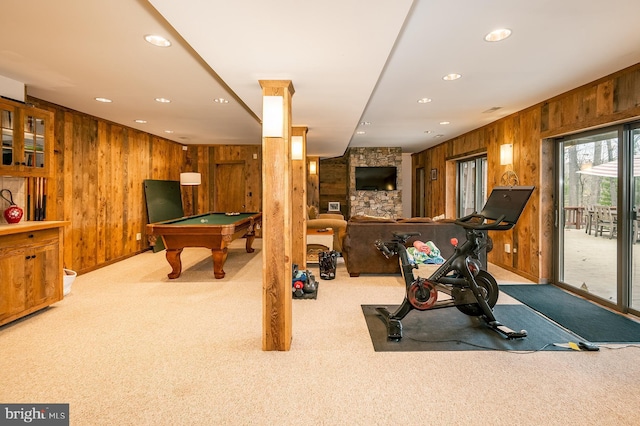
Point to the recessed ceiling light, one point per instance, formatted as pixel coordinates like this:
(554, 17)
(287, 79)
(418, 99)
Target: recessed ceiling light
(428, 131)
(221, 101)
(104, 100)
(451, 77)
(498, 35)
(444, 123)
(168, 131)
(424, 100)
(439, 136)
(163, 100)
(365, 123)
(157, 40)
(360, 132)
(141, 121)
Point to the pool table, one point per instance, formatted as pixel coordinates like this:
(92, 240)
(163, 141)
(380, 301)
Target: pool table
(212, 230)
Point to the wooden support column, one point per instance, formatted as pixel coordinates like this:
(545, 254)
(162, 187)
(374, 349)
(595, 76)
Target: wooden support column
(276, 219)
(299, 200)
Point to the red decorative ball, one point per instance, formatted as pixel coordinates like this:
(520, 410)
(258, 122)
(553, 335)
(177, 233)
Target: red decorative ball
(13, 214)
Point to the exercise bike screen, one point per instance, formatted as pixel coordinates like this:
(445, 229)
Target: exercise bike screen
(508, 201)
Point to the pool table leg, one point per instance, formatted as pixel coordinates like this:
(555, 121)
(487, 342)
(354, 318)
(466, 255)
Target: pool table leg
(173, 257)
(219, 257)
(249, 243)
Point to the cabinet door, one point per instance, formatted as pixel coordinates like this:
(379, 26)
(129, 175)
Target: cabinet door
(27, 140)
(13, 281)
(7, 117)
(44, 274)
(36, 138)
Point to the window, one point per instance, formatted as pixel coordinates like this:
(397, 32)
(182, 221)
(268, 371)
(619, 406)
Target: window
(472, 185)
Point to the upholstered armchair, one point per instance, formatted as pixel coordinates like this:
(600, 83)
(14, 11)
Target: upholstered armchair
(328, 220)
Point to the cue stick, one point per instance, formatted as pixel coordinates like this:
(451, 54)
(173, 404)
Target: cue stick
(35, 198)
(38, 199)
(28, 199)
(44, 198)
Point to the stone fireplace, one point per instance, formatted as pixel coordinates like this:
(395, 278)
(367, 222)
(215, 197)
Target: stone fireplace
(374, 203)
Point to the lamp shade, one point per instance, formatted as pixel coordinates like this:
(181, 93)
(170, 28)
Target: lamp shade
(506, 154)
(272, 116)
(190, 178)
(296, 148)
(313, 167)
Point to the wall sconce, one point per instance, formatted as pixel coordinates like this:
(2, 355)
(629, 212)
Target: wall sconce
(313, 168)
(506, 154)
(190, 179)
(296, 147)
(272, 116)
(508, 178)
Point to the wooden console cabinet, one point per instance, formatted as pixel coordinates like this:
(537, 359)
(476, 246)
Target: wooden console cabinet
(30, 267)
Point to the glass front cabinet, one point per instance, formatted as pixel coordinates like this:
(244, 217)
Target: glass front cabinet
(27, 140)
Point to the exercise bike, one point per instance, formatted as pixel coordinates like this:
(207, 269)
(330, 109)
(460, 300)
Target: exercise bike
(472, 290)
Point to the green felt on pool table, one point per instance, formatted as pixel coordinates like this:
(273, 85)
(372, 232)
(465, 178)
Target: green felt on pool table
(212, 218)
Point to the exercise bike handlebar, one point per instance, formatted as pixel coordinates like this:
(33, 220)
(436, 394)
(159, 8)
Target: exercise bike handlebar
(383, 249)
(498, 224)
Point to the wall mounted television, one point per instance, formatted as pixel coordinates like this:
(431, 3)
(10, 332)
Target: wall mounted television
(376, 178)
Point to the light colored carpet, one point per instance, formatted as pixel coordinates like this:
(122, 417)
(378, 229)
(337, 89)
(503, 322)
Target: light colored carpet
(128, 346)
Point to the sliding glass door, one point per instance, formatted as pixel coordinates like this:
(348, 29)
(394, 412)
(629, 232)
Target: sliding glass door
(634, 295)
(588, 234)
(598, 227)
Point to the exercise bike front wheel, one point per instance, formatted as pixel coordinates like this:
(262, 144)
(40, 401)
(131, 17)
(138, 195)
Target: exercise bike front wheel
(490, 291)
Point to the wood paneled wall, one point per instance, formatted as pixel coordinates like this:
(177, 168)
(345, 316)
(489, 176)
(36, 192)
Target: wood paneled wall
(612, 99)
(100, 167)
(98, 185)
(435, 188)
(333, 176)
(251, 157)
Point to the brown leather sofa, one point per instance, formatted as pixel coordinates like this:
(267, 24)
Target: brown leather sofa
(362, 257)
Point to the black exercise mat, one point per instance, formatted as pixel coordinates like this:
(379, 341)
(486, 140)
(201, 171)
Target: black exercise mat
(581, 316)
(448, 329)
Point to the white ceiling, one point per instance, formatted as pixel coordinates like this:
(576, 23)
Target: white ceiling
(349, 60)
